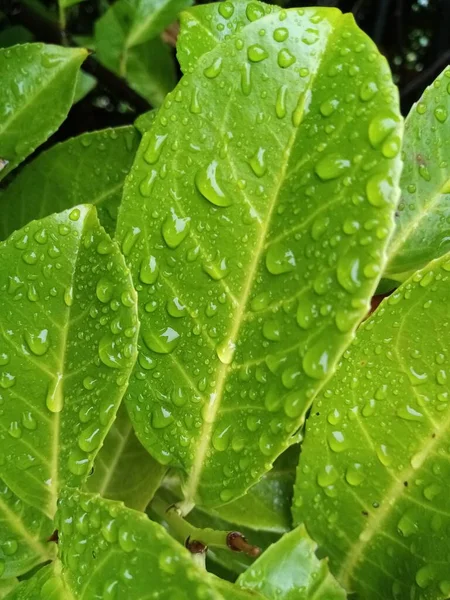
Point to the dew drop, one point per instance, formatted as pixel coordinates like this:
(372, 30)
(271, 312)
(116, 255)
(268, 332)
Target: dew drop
(175, 229)
(256, 53)
(37, 341)
(225, 351)
(280, 259)
(257, 162)
(162, 341)
(209, 187)
(331, 167)
(55, 396)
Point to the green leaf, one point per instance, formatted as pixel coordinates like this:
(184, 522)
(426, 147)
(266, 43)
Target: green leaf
(24, 534)
(423, 230)
(69, 3)
(290, 570)
(150, 17)
(203, 27)
(123, 469)
(233, 592)
(68, 329)
(88, 168)
(33, 107)
(13, 35)
(7, 585)
(145, 121)
(255, 221)
(371, 480)
(46, 583)
(149, 68)
(85, 84)
(267, 505)
(126, 553)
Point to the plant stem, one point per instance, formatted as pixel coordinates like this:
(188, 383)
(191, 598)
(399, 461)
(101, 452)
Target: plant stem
(62, 23)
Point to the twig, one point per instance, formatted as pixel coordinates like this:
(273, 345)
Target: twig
(49, 32)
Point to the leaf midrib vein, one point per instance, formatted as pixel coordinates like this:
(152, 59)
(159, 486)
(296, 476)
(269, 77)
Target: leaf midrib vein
(239, 316)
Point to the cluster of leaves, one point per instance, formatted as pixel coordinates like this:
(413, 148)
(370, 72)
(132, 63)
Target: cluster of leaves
(212, 266)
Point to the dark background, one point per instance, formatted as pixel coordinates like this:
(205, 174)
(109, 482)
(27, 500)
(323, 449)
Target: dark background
(414, 35)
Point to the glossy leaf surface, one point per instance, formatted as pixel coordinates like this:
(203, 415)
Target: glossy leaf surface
(68, 329)
(290, 570)
(7, 585)
(148, 67)
(255, 221)
(267, 505)
(203, 27)
(45, 583)
(231, 591)
(85, 84)
(423, 229)
(33, 107)
(123, 469)
(371, 481)
(133, 556)
(144, 122)
(89, 168)
(24, 532)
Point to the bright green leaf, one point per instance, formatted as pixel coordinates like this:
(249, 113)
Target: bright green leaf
(145, 121)
(68, 331)
(371, 481)
(233, 592)
(85, 84)
(290, 570)
(88, 168)
(24, 534)
(255, 221)
(204, 26)
(123, 469)
(33, 107)
(127, 554)
(423, 222)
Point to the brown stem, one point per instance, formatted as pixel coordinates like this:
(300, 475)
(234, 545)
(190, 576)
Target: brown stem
(238, 543)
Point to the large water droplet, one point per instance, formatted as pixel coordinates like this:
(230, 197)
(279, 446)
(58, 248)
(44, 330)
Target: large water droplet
(331, 167)
(148, 272)
(110, 352)
(280, 259)
(55, 395)
(155, 145)
(175, 229)
(162, 341)
(208, 185)
(257, 162)
(225, 351)
(256, 53)
(37, 341)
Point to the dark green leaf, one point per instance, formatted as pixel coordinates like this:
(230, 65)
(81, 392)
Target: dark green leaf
(148, 66)
(423, 229)
(125, 554)
(267, 505)
(255, 221)
(89, 168)
(7, 585)
(123, 469)
(13, 35)
(33, 107)
(202, 27)
(371, 483)
(46, 584)
(24, 534)
(68, 329)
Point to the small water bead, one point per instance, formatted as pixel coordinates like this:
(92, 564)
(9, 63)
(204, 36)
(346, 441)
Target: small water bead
(161, 417)
(146, 185)
(285, 58)
(280, 105)
(149, 270)
(28, 421)
(221, 438)
(154, 148)
(381, 127)
(175, 229)
(337, 441)
(55, 395)
(425, 576)
(75, 214)
(379, 190)
(271, 330)
(10, 547)
(328, 107)
(206, 180)
(383, 455)
(349, 271)
(260, 302)
(214, 69)
(254, 11)
(162, 341)
(368, 90)
(331, 167)
(257, 162)
(4, 359)
(89, 439)
(225, 351)
(424, 172)
(104, 290)
(328, 475)
(256, 53)
(37, 341)
(15, 430)
(217, 269)
(226, 9)
(354, 475)
(280, 259)
(175, 308)
(281, 34)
